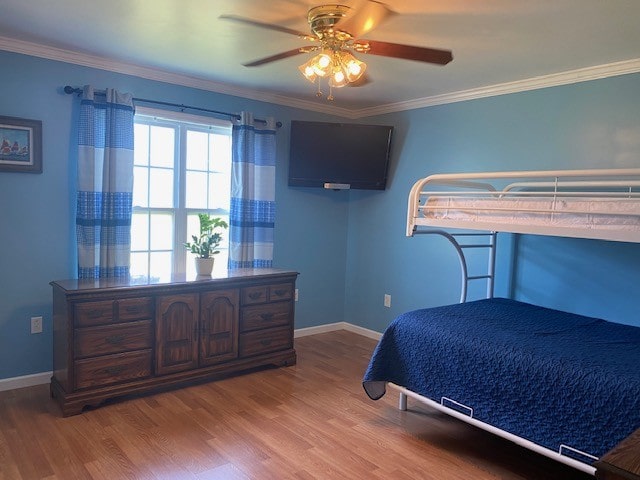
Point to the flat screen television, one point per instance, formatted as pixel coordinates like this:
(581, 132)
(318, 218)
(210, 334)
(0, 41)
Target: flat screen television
(339, 155)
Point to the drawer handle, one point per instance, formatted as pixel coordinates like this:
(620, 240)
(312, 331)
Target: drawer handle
(266, 316)
(95, 313)
(281, 292)
(255, 295)
(265, 343)
(132, 309)
(115, 339)
(115, 370)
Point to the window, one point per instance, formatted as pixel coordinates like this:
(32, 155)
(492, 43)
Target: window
(182, 167)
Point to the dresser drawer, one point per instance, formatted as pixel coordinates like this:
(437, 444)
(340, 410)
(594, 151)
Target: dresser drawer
(104, 312)
(253, 295)
(135, 309)
(105, 339)
(94, 313)
(279, 292)
(267, 293)
(265, 316)
(265, 341)
(108, 369)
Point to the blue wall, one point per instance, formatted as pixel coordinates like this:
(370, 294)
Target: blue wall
(37, 218)
(588, 125)
(349, 247)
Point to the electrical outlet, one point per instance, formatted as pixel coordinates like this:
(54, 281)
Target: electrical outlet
(295, 295)
(36, 324)
(387, 300)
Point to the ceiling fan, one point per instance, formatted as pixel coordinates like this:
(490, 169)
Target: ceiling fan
(335, 34)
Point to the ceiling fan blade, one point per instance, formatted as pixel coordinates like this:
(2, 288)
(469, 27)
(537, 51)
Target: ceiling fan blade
(268, 26)
(364, 16)
(273, 58)
(408, 52)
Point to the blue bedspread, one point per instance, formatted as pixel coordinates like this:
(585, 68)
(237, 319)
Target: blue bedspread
(550, 377)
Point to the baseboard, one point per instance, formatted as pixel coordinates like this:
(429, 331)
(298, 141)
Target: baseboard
(45, 377)
(25, 381)
(365, 332)
(331, 327)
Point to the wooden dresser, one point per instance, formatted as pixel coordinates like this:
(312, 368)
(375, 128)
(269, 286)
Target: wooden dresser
(114, 337)
(622, 462)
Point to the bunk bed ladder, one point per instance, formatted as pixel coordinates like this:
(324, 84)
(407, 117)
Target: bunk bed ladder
(491, 264)
(489, 277)
(466, 278)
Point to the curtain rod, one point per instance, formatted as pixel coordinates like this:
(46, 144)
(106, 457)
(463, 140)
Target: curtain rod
(71, 90)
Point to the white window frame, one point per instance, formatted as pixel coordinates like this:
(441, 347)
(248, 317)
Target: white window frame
(182, 122)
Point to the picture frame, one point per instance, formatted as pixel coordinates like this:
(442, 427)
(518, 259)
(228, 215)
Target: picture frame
(20, 145)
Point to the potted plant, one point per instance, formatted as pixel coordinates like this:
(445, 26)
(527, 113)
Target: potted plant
(204, 245)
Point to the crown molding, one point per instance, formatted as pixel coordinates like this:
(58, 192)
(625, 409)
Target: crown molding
(86, 60)
(535, 83)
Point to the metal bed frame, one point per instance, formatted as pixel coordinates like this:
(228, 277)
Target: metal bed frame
(622, 184)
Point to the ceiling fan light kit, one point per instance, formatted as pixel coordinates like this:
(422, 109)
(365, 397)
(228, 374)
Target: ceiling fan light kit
(335, 28)
(339, 66)
(334, 62)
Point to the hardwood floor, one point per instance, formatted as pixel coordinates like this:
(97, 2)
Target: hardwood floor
(310, 421)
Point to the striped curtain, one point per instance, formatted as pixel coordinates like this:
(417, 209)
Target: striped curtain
(105, 184)
(253, 173)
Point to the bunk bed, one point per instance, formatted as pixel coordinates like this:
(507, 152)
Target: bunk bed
(564, 385)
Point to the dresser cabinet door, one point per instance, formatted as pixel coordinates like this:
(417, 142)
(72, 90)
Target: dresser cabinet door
(218, 326)
(176, 333)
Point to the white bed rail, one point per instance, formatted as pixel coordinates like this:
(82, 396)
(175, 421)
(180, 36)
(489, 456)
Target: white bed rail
(559, 456)
(599, 203)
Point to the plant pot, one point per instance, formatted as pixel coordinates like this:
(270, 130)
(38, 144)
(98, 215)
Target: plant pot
(204, 266)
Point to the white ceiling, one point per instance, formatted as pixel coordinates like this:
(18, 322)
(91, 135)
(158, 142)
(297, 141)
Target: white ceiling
(496, 44)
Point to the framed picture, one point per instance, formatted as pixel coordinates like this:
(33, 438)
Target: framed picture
(20, 145)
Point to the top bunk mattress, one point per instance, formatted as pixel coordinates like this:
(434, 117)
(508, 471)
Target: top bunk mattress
(579, 213)
(599, 204)
(551, 377)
